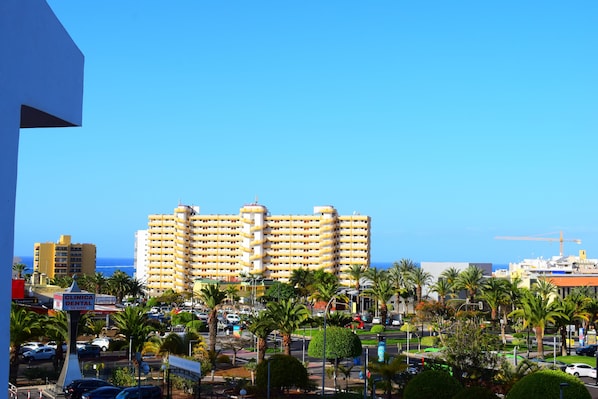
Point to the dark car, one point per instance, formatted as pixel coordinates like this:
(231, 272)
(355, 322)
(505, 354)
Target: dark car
(76, 388)
(147, 392)
(107, 392)
(89, 351)
(589, 350)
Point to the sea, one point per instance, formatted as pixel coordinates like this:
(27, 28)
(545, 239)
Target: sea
(106, 266)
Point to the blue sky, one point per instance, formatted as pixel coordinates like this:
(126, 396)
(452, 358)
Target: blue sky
(449, 123)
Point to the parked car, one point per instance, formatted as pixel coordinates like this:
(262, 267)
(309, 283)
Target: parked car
(376, 320)
(588, 350)
(103, 343)
(28, 346)
(107, 392)
(581, 370)
(78, 387)
(52, 344)
(43, 353)
(147, 392)
(233, 318)
(89, 351)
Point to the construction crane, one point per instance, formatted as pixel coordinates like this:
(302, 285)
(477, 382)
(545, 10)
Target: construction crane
(561, 240)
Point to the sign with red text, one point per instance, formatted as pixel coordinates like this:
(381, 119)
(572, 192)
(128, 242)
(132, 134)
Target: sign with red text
(74, 301)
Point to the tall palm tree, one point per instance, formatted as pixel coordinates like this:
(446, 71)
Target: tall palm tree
(471, 280)
(537, 313)
(324, 291)
(133, 323)
(356, 272)
(398, 274)
(119, 285)
(450, 275)
(494, 292)
(545, 288)
(288, 316)
(99, 282)
(571, 312)
(419, 278)
(56, 329)
(212, 297)
(381, 291)
(261, 325)
(302, 279)
(24, 325)
(443, 288)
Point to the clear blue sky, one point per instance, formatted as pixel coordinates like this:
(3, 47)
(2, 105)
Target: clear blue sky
(449, 123)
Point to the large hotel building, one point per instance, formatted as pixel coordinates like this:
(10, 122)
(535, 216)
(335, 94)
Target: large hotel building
(187, 245)
(62, 258)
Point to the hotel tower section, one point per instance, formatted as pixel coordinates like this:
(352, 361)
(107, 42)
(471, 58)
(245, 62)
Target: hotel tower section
(186, 245)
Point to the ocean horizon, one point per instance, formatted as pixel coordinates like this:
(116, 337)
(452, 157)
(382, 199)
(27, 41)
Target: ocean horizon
(108, 266)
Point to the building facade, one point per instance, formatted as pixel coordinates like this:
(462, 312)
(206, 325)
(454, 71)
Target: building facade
(63, 258)
(187, 245)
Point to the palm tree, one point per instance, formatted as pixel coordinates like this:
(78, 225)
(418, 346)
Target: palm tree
(288, 316)
(302, 280)
(419, 278)
(450, 275)
(494, 292)
(231, 294)
(381, 291)
(324, 291)
(443, 288)
(545, 288)
(388, 370)
(133, 323)
(56, 329)
(471, 280)
(571, 311)
(212, 297)
(20, 268)
(261, 325)
(356, 272)
(24, 325)
(398, 274)
(537, 313)
(98, 281)
(119, 285)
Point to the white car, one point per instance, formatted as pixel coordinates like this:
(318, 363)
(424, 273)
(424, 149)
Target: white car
(103, 343)
(233, 318)
(376, 320)
(581, 370)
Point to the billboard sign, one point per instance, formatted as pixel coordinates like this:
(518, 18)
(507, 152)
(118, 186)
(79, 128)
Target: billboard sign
(74, 301)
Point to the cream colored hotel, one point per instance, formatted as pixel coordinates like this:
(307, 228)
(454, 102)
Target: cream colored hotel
(186, 245)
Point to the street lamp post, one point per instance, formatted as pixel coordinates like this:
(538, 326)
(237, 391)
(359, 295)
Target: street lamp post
(324, 345)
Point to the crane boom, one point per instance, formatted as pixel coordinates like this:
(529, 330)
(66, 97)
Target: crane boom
(560, 239)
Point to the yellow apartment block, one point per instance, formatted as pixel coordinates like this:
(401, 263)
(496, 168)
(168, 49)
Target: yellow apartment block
(186, 245)
(62, 259)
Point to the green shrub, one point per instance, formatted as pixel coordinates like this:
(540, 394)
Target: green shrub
(341, 343)
(546, 384)
(432, 384)
(377, 329)
(123, 377)
(475, 392)
(285, 372)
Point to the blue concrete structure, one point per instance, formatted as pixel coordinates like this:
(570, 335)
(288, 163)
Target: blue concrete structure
(41, 85)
